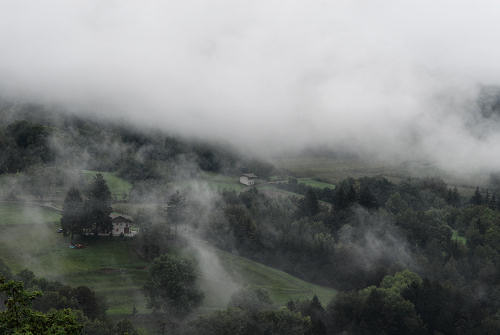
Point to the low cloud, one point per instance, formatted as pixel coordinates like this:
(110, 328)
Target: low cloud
(375, 240)
(392, 79)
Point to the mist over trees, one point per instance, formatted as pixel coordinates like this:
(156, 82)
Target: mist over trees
(31, 135)
(73, 215)
(362, 236)
(172, 286)
(370, 132)
(420, 83)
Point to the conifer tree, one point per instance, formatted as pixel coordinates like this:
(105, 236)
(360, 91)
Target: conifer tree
(493, 202)
(98, 206)
(345, 194)
(310, 205)
(452, 197)
(455, 197)
(73, 216)
(366, 198)
(477, 198)
(176, 209)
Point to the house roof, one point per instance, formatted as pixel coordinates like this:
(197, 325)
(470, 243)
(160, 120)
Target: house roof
(249, 175)
(116, 216)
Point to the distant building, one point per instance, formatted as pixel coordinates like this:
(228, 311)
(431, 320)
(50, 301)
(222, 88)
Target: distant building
(248, 179)
(122, 225)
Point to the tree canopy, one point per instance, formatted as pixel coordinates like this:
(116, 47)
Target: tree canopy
(73, 216)
(20, 318)
(172, 285)
(98, 205)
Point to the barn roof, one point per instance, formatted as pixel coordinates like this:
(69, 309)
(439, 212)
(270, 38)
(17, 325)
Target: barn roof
(249, 175)
(116, 217)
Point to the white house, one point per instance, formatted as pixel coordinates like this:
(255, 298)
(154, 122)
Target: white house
(248, 179)
(122, 225)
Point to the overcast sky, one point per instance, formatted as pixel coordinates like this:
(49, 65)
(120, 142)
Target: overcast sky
(398, 78)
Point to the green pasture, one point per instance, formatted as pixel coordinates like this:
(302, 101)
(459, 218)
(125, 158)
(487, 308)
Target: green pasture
(11, 214)
(220, 182)
(333, 170)
(110, 267)
(214, 181)
(281, 286)
(115, 271)
(315, 183)
(272, 191)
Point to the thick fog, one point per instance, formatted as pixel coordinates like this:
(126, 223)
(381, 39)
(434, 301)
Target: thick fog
(399, 79)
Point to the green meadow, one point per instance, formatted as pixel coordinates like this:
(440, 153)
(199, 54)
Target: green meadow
(214, 181)
(281, 286)
(11, 213)
(114, 270)
(315, 183)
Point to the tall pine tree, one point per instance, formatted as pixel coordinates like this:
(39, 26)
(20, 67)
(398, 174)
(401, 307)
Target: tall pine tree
(73, 216)
(366, 198)
(309, 205)
(477, 198)
(176, 210)
(98, 206)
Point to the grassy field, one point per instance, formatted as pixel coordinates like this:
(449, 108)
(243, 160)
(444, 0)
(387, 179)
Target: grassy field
(214, 181)
(281, 286)
(18, 214)
(222, 183)
(333, 170)
(113, 270)
(272, 191)
(109, 267)
(315, 183)
(119, 187)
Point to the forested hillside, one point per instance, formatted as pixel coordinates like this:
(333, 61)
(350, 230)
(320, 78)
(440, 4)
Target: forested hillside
(204, 254)
(32, 135)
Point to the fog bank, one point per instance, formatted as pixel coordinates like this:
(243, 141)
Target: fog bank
(394, 79)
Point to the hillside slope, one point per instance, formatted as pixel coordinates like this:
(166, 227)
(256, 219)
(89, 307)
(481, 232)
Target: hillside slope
(113, 269)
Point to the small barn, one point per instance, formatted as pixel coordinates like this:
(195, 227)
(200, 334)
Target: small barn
(122, 225)
(248, 179)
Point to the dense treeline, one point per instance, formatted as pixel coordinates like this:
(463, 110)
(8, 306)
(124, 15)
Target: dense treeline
(24, 144)
(400, 304)
(373, 228)
(363, 237)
